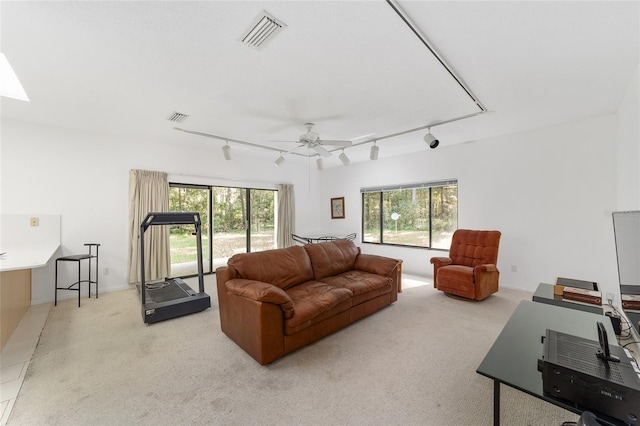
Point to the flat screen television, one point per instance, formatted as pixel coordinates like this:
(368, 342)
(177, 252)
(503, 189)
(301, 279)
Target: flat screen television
(626, 229)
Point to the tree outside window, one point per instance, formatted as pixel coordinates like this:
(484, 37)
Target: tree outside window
(421, 215)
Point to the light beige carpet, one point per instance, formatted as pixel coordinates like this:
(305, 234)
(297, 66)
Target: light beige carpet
(413, 363)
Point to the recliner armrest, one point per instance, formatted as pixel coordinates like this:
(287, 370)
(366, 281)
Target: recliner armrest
(485, 268)
(261, 292)
(441, 261)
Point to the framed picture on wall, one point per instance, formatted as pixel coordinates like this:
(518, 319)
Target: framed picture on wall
(337, 208)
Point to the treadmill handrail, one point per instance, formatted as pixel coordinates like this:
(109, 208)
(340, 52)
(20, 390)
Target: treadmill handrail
(171, 218)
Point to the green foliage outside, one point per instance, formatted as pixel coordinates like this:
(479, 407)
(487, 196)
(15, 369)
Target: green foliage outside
(229, 221)
(183, 247)
(412, 208)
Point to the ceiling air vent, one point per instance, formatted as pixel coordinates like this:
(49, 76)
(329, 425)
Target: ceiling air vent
(264, 27)
(177, 117)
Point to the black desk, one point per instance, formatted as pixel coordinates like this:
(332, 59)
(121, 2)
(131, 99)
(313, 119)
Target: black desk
(634, 318)
(513, 358)
(544, 294)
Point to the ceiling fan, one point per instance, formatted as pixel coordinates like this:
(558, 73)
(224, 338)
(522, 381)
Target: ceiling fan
(311, 140)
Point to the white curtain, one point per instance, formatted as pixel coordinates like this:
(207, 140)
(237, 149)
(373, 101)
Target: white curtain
(286, 216)
(148, 192)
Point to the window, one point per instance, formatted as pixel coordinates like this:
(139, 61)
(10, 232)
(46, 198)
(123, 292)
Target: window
(416, 215)
(234, 220)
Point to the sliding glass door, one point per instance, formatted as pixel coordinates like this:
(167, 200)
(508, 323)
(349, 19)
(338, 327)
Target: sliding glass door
(182, 239)
(230, 223)
(235, 220)
(262, 219)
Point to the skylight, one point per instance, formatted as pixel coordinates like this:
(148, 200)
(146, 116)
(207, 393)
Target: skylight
(10, 86)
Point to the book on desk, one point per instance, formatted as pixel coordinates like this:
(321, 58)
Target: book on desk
(582, 295)
(631, 301)
(578, 291)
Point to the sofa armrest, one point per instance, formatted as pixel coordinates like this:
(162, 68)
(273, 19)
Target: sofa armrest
(375, 264)
(261, 292)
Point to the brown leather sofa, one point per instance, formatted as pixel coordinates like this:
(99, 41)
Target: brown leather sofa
(470, 270)
(276, 301)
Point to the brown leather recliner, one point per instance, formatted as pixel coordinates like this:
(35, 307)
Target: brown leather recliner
(471, 269)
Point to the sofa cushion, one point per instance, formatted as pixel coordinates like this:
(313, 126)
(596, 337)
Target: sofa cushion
(332, 258)
(282, 267)
(364, 285)
(313, 302)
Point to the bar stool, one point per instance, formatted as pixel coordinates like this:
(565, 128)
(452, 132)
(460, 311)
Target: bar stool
(79, 258)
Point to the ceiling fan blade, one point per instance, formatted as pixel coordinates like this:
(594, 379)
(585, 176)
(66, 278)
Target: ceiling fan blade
(320, 150)
(293, 150)
(335, 143)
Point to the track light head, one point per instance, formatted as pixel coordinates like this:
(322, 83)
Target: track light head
(319, 163)
(279, 160)
(375, 149)
(343, 157)
(431, 140)
(226, 151)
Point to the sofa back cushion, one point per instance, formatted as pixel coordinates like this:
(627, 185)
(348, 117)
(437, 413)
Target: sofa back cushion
(332, 258)
(281, 267)
(473, 248)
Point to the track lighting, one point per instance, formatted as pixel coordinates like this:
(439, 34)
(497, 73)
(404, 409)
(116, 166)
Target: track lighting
(226, 151)
(343, 157)
(431, 140)
(374, 151)
(279, 160)
(319, 163)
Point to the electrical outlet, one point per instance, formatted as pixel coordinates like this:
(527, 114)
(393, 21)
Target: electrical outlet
(514, 268)
(34, 221)
(105, 271)
(610, 298)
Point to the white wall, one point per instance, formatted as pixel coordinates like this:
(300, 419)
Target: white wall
(628, 148)
(84, 177)
(550, 192)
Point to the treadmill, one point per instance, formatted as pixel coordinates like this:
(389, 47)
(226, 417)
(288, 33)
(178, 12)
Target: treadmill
(172, 297)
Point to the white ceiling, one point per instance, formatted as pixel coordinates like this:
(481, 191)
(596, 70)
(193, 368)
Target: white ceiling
(353, 68)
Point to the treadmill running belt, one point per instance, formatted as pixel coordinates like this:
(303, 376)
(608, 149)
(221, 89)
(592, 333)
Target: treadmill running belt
(165, 293)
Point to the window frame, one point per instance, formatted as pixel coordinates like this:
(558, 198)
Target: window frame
(421, 185)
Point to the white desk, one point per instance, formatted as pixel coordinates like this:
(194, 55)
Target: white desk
(27, 247)
(26, 258)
